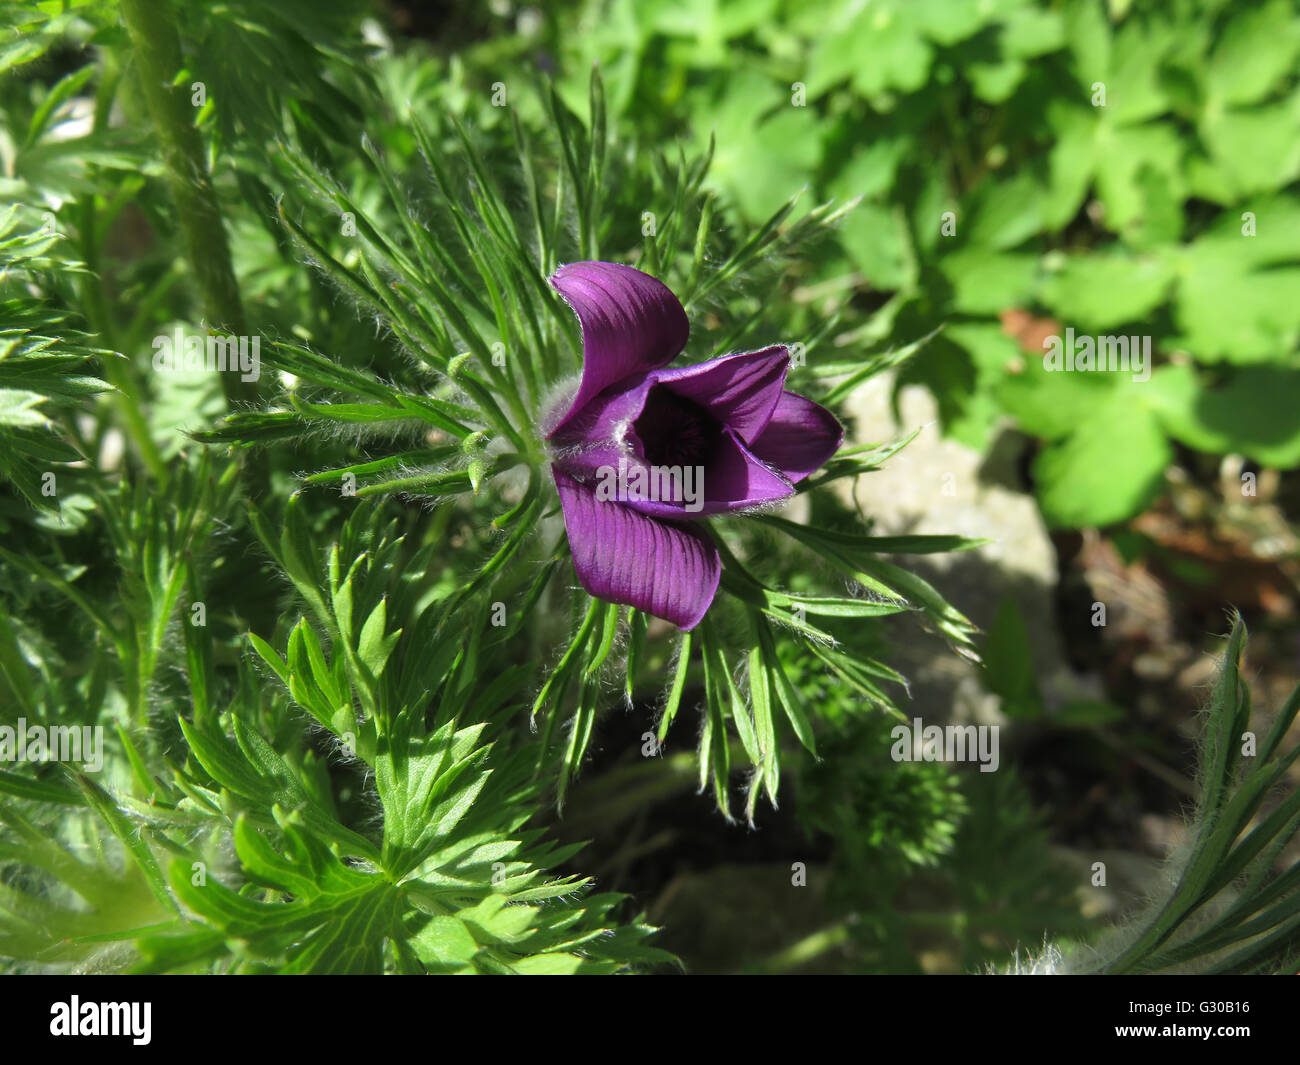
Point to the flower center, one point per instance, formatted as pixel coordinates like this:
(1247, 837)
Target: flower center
(674, 431)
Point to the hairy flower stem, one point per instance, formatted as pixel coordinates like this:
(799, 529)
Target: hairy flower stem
(157, 55)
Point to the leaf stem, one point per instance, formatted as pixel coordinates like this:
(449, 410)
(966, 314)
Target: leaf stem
(157, 54)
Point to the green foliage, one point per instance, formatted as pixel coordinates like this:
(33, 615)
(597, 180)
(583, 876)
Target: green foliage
(1115, 169)
(886, 817)
(1229, 909)
(324, 622)
(443, 877)
(929, 860)
(360, 800)
(487, 342)
(46, 368)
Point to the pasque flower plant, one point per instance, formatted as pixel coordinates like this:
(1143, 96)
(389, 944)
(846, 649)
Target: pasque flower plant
(318, 754)
(731, 418)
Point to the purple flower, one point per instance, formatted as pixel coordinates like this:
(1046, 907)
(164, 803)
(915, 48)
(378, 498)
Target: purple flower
(642, 451)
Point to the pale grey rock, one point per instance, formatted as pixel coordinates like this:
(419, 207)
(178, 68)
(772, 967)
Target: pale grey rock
(940, 486)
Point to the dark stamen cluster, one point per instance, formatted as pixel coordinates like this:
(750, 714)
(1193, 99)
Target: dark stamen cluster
(674, 431)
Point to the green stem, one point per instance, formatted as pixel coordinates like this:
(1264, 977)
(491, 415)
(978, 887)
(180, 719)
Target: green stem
(127, 399)
(127, 402)
(158, 59)
(807, 949)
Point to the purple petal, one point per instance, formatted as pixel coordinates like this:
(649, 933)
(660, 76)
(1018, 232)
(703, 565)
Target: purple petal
(732, 480)
(740, 391)
(603, 419)
(800, 438)
(621, 556)
(631, 323)
(737, 479)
